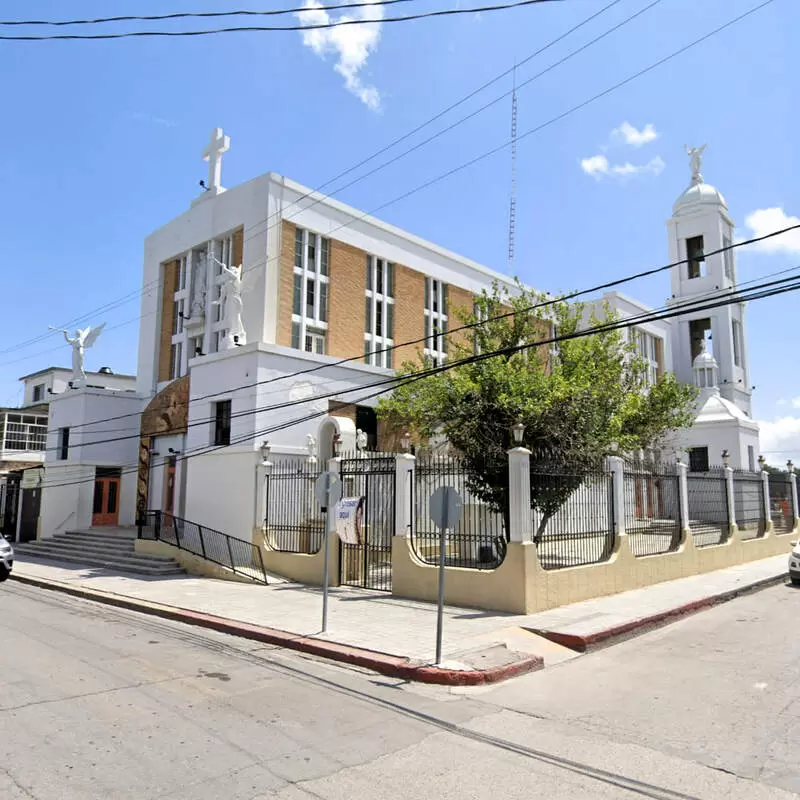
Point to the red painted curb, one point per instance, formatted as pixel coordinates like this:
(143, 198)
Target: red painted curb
(582, 644)
(383, 663)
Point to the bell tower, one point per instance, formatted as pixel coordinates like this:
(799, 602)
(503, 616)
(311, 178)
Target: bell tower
(700, 225)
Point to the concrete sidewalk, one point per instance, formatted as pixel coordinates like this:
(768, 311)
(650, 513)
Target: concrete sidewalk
(397, 636)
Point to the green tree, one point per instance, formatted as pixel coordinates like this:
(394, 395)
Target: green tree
(579, 399)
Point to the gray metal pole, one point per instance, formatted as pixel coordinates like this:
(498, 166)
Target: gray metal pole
(440, 608)
(326, 558)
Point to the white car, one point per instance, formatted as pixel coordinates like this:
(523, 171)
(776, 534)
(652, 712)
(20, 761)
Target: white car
(794, 564)
(6, 558)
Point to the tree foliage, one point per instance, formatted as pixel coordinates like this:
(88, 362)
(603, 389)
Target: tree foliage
(579, 398)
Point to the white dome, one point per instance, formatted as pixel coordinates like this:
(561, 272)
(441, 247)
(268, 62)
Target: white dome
(698, 195)
(704, 359)
(717, 409)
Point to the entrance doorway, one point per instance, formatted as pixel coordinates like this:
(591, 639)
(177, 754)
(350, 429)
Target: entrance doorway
(29, 522)
(105, 510)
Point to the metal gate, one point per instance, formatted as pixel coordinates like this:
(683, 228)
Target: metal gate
(369, 563)
(8, 524)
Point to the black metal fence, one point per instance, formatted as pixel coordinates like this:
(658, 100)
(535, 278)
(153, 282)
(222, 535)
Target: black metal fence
(709, 519)
(295, 522)
(239, 556)
(477, 541)
(579, 528)
(368, 564)
(748, 504)
(781, 503)
(652, 509)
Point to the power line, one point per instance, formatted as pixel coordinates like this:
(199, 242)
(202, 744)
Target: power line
(758, 292)
(272, 28)
(688, 305)
(529, 132)
(392, 144)
(196, 14)
(536, 306)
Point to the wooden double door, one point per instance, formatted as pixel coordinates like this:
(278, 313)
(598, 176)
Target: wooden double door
(105, 510)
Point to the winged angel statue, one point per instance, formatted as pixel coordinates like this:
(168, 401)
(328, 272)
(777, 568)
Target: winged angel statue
(81, 342)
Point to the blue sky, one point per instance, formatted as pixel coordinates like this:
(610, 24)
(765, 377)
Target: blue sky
(102, 144)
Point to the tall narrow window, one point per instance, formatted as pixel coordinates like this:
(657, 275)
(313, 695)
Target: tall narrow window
(727, 257)
(310, 301)
(696, 257)
(379, 313)
(222, 423)
(737, 342)
(63, 444)
(699, 333)
(698, 459)
(435, 320)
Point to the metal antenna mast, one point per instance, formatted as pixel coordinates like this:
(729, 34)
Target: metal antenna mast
(512, 206)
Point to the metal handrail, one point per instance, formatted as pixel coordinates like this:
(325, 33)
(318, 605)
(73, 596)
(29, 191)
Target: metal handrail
(238, 555)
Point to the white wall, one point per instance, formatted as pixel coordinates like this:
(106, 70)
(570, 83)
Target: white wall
(67, 497)
(112, 443)
(718, 437)
(56, 381)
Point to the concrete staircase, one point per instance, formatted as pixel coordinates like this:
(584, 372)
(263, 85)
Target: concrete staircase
(106, 548)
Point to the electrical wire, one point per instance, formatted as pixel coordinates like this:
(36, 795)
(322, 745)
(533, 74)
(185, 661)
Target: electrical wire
(273, 28)
(195, 15)
(468, 326)
(763, 290)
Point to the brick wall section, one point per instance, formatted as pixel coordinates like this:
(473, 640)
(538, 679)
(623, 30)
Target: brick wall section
(458, 299)
(346, 293)
(169, 286)
(409, 313)
(238, 247)
(286, 285)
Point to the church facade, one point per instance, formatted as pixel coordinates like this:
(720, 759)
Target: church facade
(262, 310)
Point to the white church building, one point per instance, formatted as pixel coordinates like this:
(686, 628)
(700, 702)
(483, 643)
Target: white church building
(262, 310)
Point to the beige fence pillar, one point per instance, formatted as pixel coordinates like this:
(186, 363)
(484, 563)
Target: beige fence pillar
(520, 517)
(404, 494)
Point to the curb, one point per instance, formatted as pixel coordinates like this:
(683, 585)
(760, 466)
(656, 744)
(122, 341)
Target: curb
(627, 630)
(383, 663)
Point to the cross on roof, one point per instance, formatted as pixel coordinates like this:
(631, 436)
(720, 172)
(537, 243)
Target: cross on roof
(218, 145)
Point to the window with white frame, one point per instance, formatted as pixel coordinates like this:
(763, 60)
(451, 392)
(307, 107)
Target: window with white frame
(220, 250)
(24, 432)
(648, 348)
(180, 304)
(310, 293)
(435, 320)
(379, 313)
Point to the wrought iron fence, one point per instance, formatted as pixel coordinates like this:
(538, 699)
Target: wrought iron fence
(781, 503)
(295, 523)
(652, 509)
(709, 519)
(478, 540)
(239, 556)
(368, 564)
(574, 520)
(748, 504)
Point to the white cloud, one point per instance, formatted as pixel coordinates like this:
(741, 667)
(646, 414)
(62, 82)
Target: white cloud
(351, 44)
(598, 166)
(780, 440)
(795, 402)
(627, 134)
(768, 220)
(165, 123)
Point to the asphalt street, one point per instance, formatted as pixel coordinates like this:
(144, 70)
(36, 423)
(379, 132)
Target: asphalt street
(97, 702)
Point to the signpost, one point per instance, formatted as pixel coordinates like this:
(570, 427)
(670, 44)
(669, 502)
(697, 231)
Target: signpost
(328, 490)
(444, 507)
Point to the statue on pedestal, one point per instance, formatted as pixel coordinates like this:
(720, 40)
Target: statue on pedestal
(81, 342)
(696, 161)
